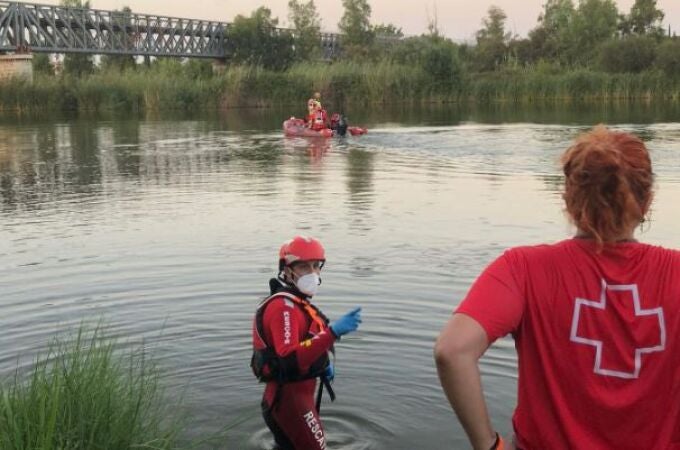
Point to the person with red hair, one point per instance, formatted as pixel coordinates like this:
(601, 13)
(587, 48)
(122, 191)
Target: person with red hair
(292, 347)
(595, 319)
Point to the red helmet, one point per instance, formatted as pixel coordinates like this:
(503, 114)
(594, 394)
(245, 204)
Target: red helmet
(301, 248)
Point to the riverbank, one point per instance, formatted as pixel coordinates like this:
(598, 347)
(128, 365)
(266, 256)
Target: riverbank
(342, 83)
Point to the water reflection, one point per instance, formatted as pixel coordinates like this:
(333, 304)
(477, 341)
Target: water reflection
(46, 143)
(126, 139)
(360, 178)
(7, 186)
(553, 183)
(85, 172)
(578, 113)
(255, 120)
(254, 157)
(359, 174)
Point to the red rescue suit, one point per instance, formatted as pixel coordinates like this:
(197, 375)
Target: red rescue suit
(291, 342)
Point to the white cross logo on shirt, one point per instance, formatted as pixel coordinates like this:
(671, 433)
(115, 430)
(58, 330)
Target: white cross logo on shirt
(640, 316)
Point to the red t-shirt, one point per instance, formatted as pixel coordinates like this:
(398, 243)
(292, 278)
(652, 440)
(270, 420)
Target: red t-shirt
(597, 338)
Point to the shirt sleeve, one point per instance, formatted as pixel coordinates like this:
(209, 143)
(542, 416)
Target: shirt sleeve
(496, 300)
(285, 324)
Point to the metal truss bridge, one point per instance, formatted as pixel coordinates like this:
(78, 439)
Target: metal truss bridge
(30, 27)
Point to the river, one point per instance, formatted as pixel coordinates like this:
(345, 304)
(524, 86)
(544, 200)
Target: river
(169, 228)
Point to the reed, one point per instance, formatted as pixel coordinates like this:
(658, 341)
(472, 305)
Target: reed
(171, 86)
(84, 394)
(578, 85)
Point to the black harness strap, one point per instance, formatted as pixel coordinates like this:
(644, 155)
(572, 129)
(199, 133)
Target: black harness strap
(324, 381)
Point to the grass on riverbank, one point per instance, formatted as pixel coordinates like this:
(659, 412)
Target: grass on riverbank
(581, 85)
(171, 88)
(238, 86)
(82, 394)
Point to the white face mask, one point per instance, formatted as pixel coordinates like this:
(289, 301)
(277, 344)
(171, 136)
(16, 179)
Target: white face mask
(308, 284)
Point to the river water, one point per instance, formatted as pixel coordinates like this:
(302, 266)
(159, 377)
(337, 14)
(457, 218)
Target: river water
(168, 228)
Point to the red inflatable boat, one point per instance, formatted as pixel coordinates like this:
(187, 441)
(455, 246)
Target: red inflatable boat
(357, 131)
(298, 127)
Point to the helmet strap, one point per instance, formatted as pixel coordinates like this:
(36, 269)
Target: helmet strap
(287, 280)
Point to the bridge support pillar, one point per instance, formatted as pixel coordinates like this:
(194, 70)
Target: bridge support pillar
(16, 66)
(219, 65)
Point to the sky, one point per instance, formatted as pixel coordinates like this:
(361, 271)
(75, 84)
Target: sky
(458, 19)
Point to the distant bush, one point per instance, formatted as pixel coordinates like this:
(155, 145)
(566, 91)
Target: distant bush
(668, 57)
(631, 54)
(437, 57)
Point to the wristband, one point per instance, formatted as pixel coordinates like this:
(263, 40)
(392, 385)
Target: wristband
(498, 443)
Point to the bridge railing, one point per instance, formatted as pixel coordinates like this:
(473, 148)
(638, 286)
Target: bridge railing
(46, 28)
(36, 27)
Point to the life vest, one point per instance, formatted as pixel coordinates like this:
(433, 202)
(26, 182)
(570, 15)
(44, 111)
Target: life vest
(267, 365)
(319, 120)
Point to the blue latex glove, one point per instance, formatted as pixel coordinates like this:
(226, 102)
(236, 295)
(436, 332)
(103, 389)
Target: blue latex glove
(347, 323)
(330, 371)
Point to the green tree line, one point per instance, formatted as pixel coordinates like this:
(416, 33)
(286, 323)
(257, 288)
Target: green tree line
(586, 33)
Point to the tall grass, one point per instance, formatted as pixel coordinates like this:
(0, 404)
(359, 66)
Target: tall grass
(159, 89)
(365, 83)
(82, 394)
(577, 85)
(170, 87)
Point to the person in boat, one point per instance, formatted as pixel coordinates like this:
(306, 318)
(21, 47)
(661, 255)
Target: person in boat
(312, 103)
(311, 107)
(595, 319)
(311, 112)
(317, 97)
(318, 119)
(292, 344)
(339, 124)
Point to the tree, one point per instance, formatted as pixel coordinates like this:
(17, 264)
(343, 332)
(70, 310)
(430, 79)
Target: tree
(550, 39)
(77, 64)
(433, 22)
(355, 25)
(441, 62)
(624, 25)
(521, 51)
(492, 40)
(387, 31)
(438, 56)
(595, 22)
(557, 14)
(385, 37)
(645, 18)
(120, 62)
(307, 24)
(256, 40)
